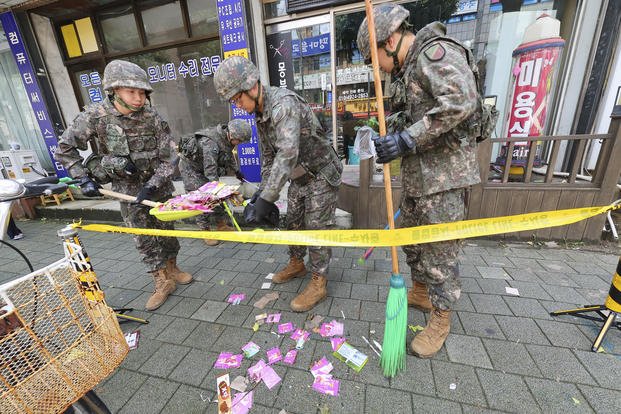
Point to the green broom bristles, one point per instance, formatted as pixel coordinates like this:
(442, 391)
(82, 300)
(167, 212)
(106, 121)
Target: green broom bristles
(393, 348)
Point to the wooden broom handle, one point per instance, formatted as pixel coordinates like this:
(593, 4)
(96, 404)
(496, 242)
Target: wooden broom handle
(126, 197)
(381, 118)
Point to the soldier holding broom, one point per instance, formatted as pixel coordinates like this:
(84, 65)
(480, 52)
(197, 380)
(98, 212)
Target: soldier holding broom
(436, 91)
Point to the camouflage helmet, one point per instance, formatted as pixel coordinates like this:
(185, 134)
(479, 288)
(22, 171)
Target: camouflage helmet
(239, 130)
(387, 18)
(124, 74)
(235, 74)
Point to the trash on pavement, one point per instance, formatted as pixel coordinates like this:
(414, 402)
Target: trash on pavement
(224, 394)
(227, 360)
(250, 349)
(351, 356)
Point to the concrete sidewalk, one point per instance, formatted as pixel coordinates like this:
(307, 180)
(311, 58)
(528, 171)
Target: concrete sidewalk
(505, 353)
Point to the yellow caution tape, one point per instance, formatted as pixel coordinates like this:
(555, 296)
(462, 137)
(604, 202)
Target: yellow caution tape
(380, 238)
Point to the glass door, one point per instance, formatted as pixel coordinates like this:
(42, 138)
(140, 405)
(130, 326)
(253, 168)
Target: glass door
(299, 59)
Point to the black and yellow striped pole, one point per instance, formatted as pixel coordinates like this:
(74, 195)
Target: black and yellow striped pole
(612, 305)
(86, 275)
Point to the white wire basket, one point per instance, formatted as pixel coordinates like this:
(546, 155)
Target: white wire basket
(58, 338)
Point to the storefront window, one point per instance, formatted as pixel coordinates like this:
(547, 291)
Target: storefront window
(274, 8)
(182, 81)
(162, 23)
(299, 59)
(203, 17)
(119, 29)
(18, 125)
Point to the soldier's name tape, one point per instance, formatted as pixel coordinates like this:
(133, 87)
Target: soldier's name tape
(379, 238)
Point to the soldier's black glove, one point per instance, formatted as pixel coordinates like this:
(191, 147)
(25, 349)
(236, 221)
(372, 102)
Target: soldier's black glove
(264, 211)
(89, 187)
(239, 175)
(130, 168)
(392, 146)
(254, 197)
(146, 193)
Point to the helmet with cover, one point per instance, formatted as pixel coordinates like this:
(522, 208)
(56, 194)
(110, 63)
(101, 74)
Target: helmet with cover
(124, 74)
(387, 18)
(235, 74)
(240, 130)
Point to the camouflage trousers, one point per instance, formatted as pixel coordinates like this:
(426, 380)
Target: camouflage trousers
(312, 206)
(155, 251)
(192, 180)
(435, 264)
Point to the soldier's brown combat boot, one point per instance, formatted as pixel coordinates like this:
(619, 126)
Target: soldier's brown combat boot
(163, 288)
(418, 297)
(427, 343)
(176, 274)
(294, 268)
(221, 225)
(312, 294)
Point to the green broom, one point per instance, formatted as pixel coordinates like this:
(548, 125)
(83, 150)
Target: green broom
(393, 347)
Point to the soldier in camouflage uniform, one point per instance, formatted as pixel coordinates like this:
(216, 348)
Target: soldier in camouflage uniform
(293, 147)
(435, 88)
(137, 154)
(205, 156)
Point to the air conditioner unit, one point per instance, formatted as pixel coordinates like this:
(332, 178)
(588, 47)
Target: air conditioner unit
(21, 164)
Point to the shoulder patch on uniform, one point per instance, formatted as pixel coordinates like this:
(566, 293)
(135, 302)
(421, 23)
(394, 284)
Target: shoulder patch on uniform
(435, 52)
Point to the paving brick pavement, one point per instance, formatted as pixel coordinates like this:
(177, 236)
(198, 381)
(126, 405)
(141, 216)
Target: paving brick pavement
(505, 353)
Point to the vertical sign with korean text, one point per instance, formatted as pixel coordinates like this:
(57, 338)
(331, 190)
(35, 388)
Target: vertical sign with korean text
(534, 68)
(279, 58)
(235, 43)
(29, 79)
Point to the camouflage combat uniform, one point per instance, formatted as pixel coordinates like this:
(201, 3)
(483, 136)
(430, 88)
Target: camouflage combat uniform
(143, 137)
(209, 160)
(294, 147)
(437, 91)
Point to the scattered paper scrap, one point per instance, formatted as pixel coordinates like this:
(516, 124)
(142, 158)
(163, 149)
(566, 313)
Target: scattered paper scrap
(415, 328)
(452, 386)
(333, 328)
(269, 377)
(242, 402)
(250, 349)
(273, 318)
(273, 355)
(266, 285)
(284, 328)
(224, 394)
(351, 356)
(255, 327)
(132, 339)
(575, 400)
(254, 372)
(312, 322)
(371, 346)
(300, 333)
(299, 344)
(236, 298)
(269, 276)
(325, 384)
(512, 291)
(227, 360)
(321, 367)
(267, 298)
(260, 316)
(336, 342)
(239, 383)
(290, 357)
